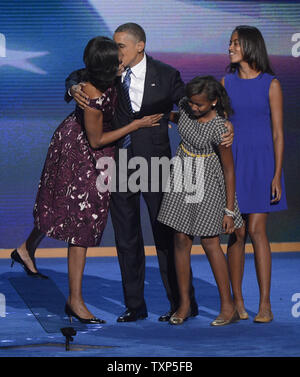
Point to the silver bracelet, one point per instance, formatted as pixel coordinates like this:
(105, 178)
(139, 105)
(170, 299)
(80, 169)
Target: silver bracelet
(229, 213)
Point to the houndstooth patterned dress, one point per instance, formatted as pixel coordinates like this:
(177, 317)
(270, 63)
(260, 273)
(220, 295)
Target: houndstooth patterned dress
(195, 195)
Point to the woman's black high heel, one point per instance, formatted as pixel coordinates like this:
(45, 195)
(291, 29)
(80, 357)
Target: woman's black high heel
(70, 313)
(15, 257)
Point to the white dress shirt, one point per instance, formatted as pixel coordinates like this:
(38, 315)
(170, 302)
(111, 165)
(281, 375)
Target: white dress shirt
(137, 83)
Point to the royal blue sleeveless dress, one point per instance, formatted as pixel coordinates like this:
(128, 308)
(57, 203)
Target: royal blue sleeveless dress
(253, 149)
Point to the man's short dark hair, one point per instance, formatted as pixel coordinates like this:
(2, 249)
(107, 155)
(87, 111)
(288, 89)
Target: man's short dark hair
(134, 29)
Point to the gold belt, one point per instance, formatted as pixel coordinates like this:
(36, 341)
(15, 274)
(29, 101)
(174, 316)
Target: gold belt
(195, 155)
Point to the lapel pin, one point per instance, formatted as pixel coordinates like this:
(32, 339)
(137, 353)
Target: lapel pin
(153, 84)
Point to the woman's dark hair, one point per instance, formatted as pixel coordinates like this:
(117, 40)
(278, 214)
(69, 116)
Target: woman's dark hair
(101, 59)
(253, 49)
(213, 89)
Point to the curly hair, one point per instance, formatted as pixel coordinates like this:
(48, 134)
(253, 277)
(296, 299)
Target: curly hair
(213, 89)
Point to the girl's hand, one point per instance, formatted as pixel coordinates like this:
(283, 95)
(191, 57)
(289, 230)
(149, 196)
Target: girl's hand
(228, 224)
(276, 190)
(147, 121)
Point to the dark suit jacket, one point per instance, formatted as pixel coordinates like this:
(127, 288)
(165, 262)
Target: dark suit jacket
(163, 88)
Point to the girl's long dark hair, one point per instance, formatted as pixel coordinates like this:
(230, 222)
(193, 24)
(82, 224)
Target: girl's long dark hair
(101, 58)
(213, 89)
(253, 49)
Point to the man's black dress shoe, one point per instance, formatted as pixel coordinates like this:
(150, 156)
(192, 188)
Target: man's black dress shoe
(166, 317)
(133, 315)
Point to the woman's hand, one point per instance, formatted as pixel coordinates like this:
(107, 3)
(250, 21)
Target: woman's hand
(121, 69)
(228, 224)
(227, 139)
(147, 121)
(79, 96)
(276, 190)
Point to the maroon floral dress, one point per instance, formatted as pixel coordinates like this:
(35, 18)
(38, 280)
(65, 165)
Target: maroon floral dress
(68, 206)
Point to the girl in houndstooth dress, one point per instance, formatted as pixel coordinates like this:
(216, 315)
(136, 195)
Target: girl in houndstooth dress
(199, 199)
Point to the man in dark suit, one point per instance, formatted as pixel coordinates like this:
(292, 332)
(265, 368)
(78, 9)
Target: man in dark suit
(154, 87)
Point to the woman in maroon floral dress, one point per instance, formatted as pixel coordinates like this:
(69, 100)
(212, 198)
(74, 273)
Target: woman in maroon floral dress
(68, 205)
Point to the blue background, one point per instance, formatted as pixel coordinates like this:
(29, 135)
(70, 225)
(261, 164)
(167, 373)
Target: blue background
(45, 42)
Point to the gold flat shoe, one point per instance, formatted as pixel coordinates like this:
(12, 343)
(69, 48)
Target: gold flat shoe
(243, 315)
(263, 318)
(222, 322)
(175, 320)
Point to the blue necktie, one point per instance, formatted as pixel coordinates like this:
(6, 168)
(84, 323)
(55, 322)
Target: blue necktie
(126, 85)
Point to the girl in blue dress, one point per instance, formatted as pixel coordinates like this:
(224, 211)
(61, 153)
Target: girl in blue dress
(256, 99)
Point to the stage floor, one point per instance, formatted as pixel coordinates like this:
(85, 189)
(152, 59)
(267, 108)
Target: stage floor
(32, 313)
